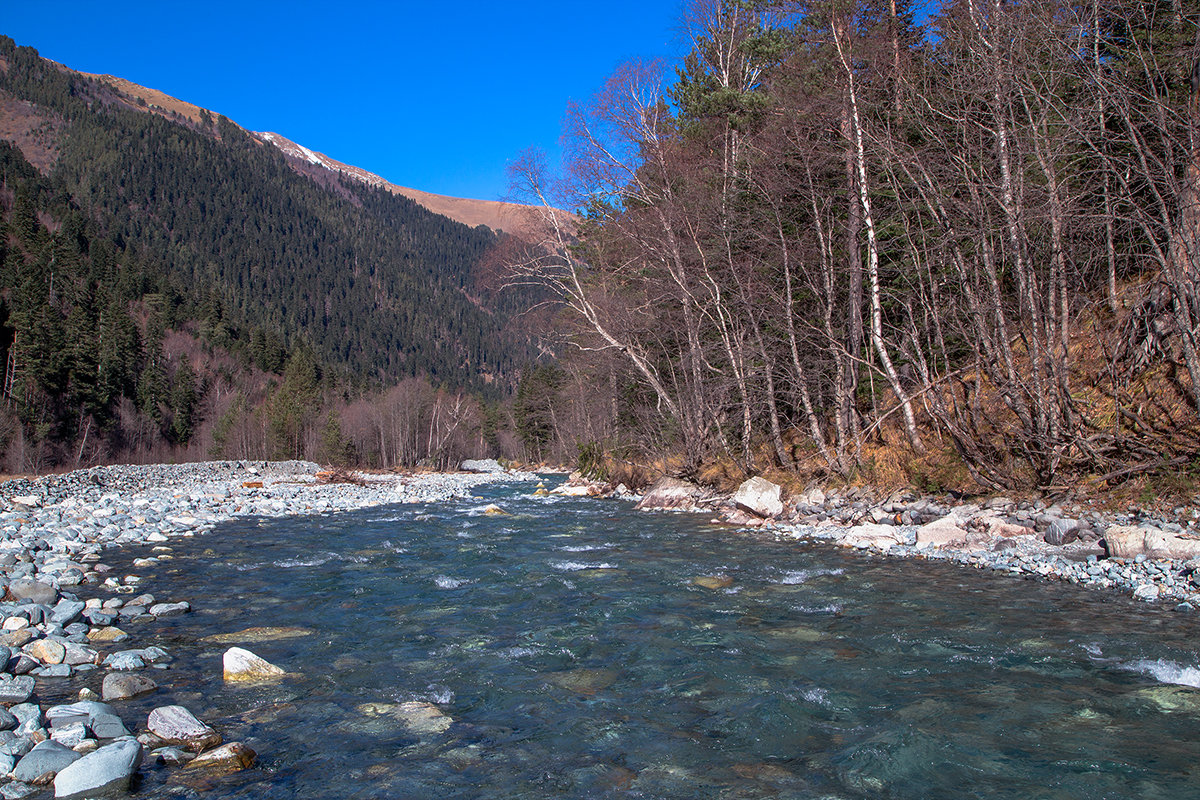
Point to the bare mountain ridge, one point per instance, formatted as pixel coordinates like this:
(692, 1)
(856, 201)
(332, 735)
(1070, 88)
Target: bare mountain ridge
(510, 217)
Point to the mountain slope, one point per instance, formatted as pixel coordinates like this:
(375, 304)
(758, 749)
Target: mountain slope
(499, 216)
(379, 285)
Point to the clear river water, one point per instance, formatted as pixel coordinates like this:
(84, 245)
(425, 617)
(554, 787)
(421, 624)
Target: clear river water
(577, 656)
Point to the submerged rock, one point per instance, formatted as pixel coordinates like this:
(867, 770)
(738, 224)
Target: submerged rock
(225, 759)
(122, 686)
(585, 681)
(242, 665)
(258, 634)
(417, 716)
(714, 582)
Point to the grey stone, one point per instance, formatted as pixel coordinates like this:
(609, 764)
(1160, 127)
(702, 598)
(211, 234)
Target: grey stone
(125, 660)
(54, 671)
(47, 756)
(67, 611)
(154, 655)
(24, 589)
(99, 717)
(16, 689)
(170, 609)
(18, 790)
(177, 725)
(22, 664)
(27, 711)
(16, 746)
(100, 617)
(1061, 531)
(70, 735)
(77, 653)
(7, 720)
(171, 756)
(121, 686)
(107, 770)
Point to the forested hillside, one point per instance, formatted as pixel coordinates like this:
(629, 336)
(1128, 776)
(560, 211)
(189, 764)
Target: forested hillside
(836, 242)
(136, 228)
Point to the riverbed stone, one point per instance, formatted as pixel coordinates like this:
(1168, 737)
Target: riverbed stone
(45, 757)
(67, 611)
(36, 591)
(76, 654)
(101, 719)
(107, 635)
(1125, 541)
(171, 756)
(105, 771)
(124, 685)
(19, 790)
(225, 759)
(242, 665)
(169, 609)
(124, 660)
(70, 735)
(47, 651)
(670, 494)
(16, 689)
(16, 639)
(714, 582)
(944, 532)
(759, 496)
(872, 536)
(177, 725)
(258, 634)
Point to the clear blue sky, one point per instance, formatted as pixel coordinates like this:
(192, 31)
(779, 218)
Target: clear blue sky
(435, 96)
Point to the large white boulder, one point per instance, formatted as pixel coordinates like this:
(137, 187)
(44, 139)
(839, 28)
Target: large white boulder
(944, 532)
(871, 537)
(670, 493)
(1126, 541)
(759, 496)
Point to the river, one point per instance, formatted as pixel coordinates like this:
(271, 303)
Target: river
(580, 649)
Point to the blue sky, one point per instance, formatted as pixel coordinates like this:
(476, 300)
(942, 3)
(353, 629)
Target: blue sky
(435, 96)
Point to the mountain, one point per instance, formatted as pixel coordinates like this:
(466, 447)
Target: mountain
(383, 282)
(173, 285)
(499, 216)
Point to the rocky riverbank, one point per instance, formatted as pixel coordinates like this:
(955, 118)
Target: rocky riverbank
(1152, 557)
(64, 612)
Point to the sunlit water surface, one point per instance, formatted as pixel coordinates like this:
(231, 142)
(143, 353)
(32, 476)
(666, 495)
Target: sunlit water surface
(578, 657)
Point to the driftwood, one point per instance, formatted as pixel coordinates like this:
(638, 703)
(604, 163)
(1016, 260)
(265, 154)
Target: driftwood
(339, 475)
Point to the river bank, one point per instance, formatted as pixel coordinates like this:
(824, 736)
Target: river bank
(64, 617)
(1151, 556)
